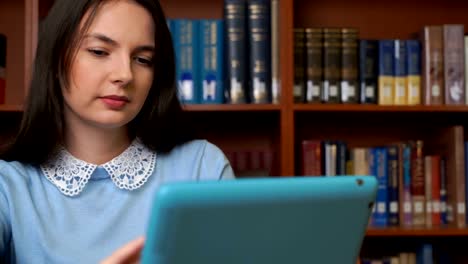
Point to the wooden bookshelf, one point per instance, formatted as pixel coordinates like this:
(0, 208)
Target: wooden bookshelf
(422, 232)
(231, 107)
(282, 127)
(379, 108)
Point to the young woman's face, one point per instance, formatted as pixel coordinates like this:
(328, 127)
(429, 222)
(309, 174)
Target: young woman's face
(112, 72)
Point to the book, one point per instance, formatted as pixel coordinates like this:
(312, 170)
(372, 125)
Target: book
(3, 55)
(331, 65)
(368, 71)
(314, 64)
(186, 45)
(212, 52)
(433, 65)
(299, 65)
(259, 43)
(454, 64)
(386, 72)
(235, 19)
(413, 66)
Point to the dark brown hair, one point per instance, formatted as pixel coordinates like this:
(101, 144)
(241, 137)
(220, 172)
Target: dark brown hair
(160, 124)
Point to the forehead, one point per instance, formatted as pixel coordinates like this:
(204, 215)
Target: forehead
(122, 20)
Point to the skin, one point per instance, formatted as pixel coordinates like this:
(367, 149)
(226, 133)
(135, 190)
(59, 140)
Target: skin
(114, 59)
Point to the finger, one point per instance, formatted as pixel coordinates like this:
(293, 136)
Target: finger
(129, 253)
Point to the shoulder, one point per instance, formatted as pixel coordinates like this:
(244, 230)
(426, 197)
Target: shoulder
(15, 174)
(10, 168)
(200, 158)
(198, 148)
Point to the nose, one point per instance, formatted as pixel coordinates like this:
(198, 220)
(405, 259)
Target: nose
(122, 73)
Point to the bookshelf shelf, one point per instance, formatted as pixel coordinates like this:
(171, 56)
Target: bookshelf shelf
(379, 108)
(421, 232)
(231, 107)
(11, 108)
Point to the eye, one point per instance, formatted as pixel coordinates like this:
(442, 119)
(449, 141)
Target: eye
(98, 52)
(144, 61)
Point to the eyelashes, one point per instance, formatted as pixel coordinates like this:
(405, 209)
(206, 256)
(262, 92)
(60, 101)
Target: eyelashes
(141, 60)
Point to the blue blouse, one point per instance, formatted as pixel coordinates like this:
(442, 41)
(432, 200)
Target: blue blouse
(40, 223)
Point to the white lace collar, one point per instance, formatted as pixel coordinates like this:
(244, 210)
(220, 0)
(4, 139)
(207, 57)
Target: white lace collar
(129, 170)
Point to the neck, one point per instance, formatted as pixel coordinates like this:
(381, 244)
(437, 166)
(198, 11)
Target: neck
(95, 145)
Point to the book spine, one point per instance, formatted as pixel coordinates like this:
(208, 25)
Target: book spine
(417, 184)
(435, 171)
(212, 56)
(368, 71)
(413, 65)
(236, 55)
(275, 53)
(454, 64)
(260, 50)
(381, 215)
(341, 158)
(3, 54)
(386, 72)
(400, 70)
(314, 62)
(428, 190)
(392, 161)
(311, 158)
(331, 65)
(406, 197)
(349, 65)
(433, 65)
(186, 45)
(443, 192)
(299, 65)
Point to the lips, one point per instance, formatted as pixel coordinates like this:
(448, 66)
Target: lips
(116, 98)
(114, 101)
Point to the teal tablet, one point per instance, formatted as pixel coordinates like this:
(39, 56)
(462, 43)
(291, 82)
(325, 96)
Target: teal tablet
(260, 221)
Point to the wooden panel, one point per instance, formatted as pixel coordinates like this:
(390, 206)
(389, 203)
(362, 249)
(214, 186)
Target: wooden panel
(416, 232)
(193, 9)
(379, 108)
(286, 75)
(380, 19)
(12, 24)
(231, 107)
(240, 131)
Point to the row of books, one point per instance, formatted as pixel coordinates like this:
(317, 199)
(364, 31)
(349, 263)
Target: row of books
(332, 65)
(419, 185)
(229, 60)
(425, 254)
(251, 162)
(3, 52)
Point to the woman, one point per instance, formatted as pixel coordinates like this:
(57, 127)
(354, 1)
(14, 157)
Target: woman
(101, 131)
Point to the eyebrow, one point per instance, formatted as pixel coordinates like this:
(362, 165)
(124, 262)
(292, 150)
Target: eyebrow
(114, 43)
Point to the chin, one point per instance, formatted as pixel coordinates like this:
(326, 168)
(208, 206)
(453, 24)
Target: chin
(113, 122)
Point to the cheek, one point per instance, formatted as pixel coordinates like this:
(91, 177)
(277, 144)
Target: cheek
(143, 85)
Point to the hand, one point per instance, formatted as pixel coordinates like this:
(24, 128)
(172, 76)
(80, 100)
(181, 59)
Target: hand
(128, 254)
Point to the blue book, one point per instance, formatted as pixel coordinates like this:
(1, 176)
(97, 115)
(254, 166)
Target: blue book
(259, 23)
(407, 202)
(212, 51)
(413, 66)
(379, 168)
(386, 72)
(425, 255)
(393, 171)
(186, 33)
(235, 19)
